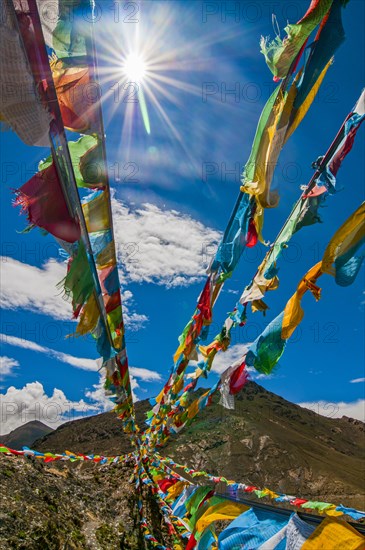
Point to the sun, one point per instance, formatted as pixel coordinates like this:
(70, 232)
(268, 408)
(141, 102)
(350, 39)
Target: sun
(134, 68)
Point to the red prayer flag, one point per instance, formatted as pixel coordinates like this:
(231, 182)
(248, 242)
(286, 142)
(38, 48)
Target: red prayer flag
(43, 199)
(238, 379)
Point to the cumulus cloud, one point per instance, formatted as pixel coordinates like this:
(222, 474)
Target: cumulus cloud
(161, 246)
(28, 287)
(19, 406)
(25, 286)
(225, 359)
(353, 409)
(7, 365)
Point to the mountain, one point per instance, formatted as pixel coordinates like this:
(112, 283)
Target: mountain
(270, 442)
(25, 435)
(100, 434)
(266, 441)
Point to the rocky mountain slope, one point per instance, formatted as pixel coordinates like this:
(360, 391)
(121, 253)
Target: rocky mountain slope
(71, 507)
(270, 442)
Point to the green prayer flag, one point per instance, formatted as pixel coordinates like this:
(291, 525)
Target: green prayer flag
(79, 281)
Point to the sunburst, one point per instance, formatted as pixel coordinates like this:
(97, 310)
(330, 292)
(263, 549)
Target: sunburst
(140, 67)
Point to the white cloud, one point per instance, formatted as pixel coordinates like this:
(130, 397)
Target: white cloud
(97, 394)
(153, 245)
(7, 364)
(161, 246)
(28, 287)
(357, 380)
(35, 289)
(78, 362)
(19, 406)
(145, 374)
(354, 409)
(225, 359)
(134, 321)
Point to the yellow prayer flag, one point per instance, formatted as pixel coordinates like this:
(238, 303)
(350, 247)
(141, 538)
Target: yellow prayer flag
(223, 511)
(293, 312)
(345, 238)
(89, 316)
(334, 534)
(96, 213)
(175, 490)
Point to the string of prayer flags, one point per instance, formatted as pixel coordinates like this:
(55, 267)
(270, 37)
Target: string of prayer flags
(201, 492)
(46, 204)
(285, 110)
(267, 349)
(67, 456)
(305, 211)
(265, 352)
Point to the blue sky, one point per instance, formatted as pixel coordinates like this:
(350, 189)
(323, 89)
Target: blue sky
(167, 221)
